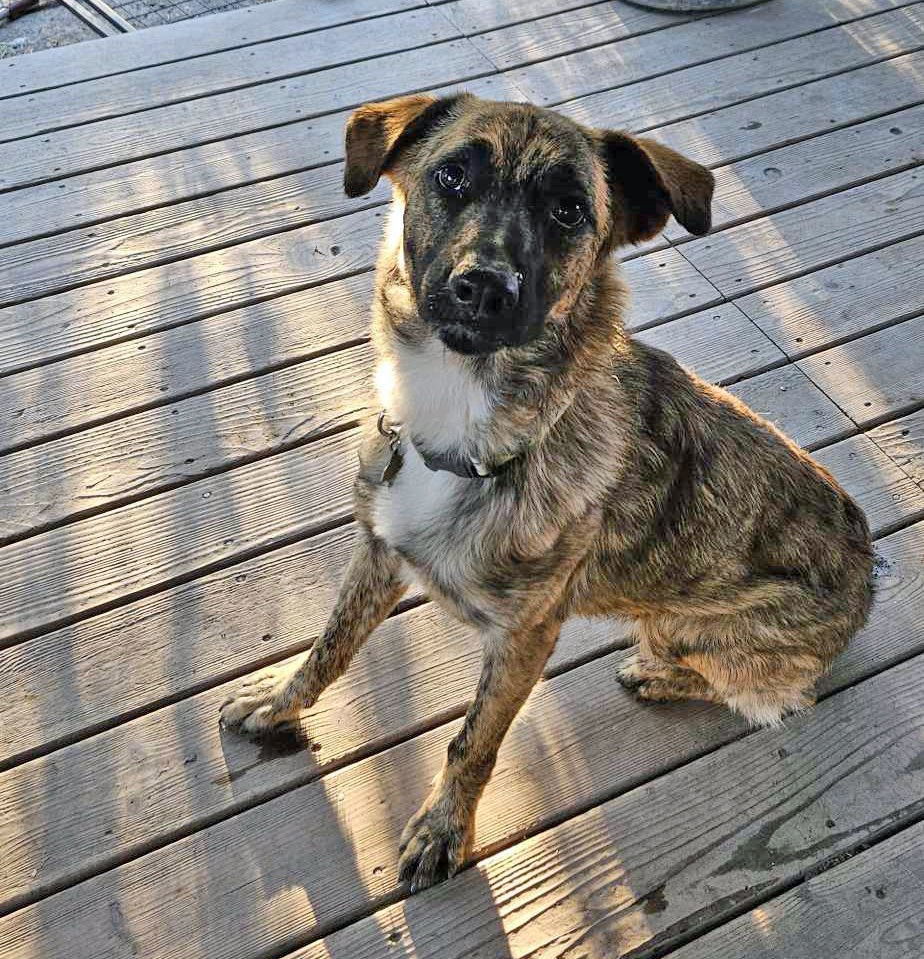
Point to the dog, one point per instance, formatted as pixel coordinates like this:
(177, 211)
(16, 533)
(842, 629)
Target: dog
(532, 462)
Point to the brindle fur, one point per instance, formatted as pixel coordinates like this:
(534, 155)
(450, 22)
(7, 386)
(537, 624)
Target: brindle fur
(628, 486)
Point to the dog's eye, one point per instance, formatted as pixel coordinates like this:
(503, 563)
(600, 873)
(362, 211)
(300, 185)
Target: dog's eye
(452, 178)
(568, 213)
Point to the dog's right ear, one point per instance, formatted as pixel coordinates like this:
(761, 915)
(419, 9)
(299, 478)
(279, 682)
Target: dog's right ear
(650, 182)
(377, 133)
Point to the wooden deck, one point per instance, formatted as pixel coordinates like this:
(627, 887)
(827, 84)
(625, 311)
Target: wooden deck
(183, 364)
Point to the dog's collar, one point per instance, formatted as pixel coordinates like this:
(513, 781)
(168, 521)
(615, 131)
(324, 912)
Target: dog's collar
(457, 463)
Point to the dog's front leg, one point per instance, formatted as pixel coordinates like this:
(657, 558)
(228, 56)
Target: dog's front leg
(438, 837)
(371, 588)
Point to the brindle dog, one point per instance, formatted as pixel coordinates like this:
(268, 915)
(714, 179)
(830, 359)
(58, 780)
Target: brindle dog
(533, 462)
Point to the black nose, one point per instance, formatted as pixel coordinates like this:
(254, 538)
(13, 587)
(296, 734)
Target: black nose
(485, 294)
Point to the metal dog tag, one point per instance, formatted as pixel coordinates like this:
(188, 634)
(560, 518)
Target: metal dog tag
(392, 467)
(396, 460)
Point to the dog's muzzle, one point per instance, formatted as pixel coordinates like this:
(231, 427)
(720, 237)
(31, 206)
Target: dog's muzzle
(485, 297)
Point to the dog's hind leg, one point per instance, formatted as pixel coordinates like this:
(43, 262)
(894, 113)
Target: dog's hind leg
(755, 665)
(370, 590)
(762, 687)
(660, 682)
(438, 837)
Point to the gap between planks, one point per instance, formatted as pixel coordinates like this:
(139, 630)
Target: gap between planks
(688, 741)
(885, 18)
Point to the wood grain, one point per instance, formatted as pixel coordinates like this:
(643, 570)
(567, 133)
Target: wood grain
(160, 297)
(812, 168)
(109, 141)
(564, 33)
(640, 871)
(86, 566)
(721, 344)
(875, 376)
(867, 908)
(812, 235)
(163, 44)
(206, 76)
(83, 198)
(816, 310)
(788, 398)
(777, 119)
(701, 89)
(475, 16)
(903, 441)
(326, 849)
(584, 72)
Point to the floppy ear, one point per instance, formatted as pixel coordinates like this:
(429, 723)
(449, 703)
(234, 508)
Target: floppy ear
(650, 182)
(377, 132)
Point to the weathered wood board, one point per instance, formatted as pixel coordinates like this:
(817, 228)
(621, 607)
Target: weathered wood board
(868, 907)
(544, 767)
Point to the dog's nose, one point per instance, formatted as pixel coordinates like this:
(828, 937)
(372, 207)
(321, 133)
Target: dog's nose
(485, 293)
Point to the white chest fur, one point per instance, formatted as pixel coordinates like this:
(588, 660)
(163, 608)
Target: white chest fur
(411, 513)
(433, 395)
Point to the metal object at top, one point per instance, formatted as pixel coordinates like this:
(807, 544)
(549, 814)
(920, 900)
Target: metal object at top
(695, 6)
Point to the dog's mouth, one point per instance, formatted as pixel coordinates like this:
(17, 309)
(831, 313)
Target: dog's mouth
(463, 339)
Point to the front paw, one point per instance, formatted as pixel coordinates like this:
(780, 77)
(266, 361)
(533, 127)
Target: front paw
(434, 843)
(261, 705)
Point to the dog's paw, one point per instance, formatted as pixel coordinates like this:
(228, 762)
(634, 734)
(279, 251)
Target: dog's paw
(261, 705)
(434, 845)
(634, 673)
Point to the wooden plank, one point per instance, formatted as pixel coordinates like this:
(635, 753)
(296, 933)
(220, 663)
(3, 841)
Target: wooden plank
(176, 232)
(91, 316)
(89, 565)
(164, 44)
(86, 472)
(475, 16)
(160, 129)
(888, 494)
(876, 376)
(99, 24)
(701, 89)
(868, 907)
(87, 389)
(713, 138)
(566, 32)
(832, 304)
(345, 827)
(722, 345)
(634, 876)
(903, 441)
(179, 362)
(687, 44)
(788, 398)
(810, 169)
(811, 236)
(779, 119)
(240, 617)
(164, 296)
(105, 142)
(202, 76)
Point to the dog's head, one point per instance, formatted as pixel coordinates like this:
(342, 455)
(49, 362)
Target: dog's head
(509, 209)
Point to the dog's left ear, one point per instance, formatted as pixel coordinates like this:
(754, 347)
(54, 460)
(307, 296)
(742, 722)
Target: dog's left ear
(377, 133)
(650, 181)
